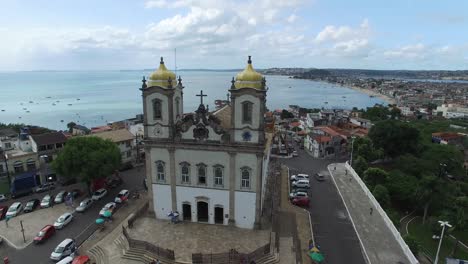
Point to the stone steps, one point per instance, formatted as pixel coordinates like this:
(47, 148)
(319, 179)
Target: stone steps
(121, 243)
(98, 254)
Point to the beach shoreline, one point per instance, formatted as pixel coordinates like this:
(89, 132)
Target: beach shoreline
(383, 97)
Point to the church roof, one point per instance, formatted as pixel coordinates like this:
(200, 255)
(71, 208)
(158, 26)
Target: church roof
(249, 78)
(162, 77)
(224, 115)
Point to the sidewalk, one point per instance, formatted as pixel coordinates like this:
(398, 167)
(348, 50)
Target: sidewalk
(380, 246)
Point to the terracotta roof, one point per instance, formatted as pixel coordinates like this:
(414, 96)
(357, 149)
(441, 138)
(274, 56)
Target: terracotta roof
(49, 138)
(100, 129)
(114, 135)
(328, 130)
(295, 124)
(224, 115)
(321, 139)
(446, 135)
(8, 132)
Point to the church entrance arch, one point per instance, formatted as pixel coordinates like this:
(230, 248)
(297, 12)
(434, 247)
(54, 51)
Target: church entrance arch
(187, 212)
(219, 215)
(202, 211)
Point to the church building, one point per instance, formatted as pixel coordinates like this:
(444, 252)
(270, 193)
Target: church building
(210, 166)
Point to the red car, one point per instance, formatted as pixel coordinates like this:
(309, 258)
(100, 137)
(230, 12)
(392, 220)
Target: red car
(81, 260)
(3, 210)
(46, 232)
(301, 201)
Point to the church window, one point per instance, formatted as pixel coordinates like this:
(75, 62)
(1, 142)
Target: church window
(247, 112)
(218, 175)
(157, 109)
(185, 172)
(177, 103)
(245, 177)
(201, 171)
(18, 167)
(160, 171)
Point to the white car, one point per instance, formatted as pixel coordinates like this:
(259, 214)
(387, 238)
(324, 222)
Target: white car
(295, 154)
(108, 207)
(301, 184)
(66, 260)
(3, 198)
(99, 194)
(122, 196)
(63, 220)
(297, 194)
(14, 209)
(299, 176)
(66, 248)
(85, 204)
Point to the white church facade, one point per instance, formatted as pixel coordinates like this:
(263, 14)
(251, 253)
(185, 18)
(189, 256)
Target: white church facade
(211, 167)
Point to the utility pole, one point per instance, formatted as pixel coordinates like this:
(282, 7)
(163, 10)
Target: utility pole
(443, 224)
(352, 150)
(22, 230)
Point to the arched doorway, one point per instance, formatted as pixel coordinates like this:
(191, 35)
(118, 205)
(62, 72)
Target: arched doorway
(187, 212)
(202, 211)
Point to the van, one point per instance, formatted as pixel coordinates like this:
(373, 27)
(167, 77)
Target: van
(66, 248)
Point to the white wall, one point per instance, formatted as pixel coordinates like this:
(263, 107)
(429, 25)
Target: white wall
(255, 116)
(165, 114)
(163, 155)
(162, 200)
(215, 197)
(246, 160)
(245, 209)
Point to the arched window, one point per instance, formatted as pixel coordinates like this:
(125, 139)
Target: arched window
(31, 164)
(247, 112)
(160, 171)
(177, 106)
(157, 109)
(245, 177)
(201, 173)
(218, 175)
(185, 172)
(18, 166)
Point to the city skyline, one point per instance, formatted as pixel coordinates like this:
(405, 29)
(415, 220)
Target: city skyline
(88, 35)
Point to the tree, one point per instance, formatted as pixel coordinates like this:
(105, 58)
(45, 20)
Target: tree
(70, 126)
(88, 159)
(285, 114)
(402, 188)
(360, 165)
(395, 113)
(376, 113)
(431, 189)
(395, 138)
(412, 243)
(375, 176)
(381, 195)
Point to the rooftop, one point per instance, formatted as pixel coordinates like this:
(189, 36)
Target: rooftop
(49, 138)
(224, 115)
(114, 135)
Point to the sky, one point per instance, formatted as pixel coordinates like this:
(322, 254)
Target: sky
(220, 34)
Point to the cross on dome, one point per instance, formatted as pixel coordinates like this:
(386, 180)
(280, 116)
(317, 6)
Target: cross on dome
(201, 96)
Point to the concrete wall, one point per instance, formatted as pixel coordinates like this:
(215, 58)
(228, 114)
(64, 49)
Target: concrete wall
(245, 209)
(162, 200)
(387, 220)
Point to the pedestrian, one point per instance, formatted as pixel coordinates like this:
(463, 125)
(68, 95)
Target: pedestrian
(371, 210)
(157, 261)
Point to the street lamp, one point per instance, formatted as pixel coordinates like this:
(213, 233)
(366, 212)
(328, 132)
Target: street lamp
(352, 150)
(443, 224)
(5, 159)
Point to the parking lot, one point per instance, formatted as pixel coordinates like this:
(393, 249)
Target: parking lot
(80, 228)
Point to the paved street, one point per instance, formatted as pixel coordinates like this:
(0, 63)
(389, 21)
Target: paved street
(333, 230)
(133, 179)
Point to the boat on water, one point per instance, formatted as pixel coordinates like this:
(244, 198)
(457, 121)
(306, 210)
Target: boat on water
(69, 104)
(371, 96)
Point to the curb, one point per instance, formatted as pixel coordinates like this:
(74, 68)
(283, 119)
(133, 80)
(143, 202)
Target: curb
(15, 246)
(347, 210)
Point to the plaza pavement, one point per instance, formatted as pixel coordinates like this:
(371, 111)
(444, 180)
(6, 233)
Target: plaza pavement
(380, 246)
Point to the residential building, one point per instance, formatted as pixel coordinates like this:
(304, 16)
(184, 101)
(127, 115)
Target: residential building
(79, 130)
(211, 167)
(124, 140)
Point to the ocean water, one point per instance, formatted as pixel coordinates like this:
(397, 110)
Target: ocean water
(93, 98)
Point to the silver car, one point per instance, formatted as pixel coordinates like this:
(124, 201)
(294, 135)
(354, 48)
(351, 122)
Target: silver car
(64, 249)
(84, 205)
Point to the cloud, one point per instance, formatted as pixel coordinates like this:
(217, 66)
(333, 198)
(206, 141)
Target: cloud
(415, 51)
(292, 18)
(346, 33)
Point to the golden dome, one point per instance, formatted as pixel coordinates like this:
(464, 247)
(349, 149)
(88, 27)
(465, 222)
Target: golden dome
(161, 77)
(249, 78)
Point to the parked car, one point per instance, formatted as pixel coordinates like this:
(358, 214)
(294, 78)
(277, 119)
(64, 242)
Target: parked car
(3, 211)
(3, 197)
(44, 187)
(295, 154)
(66, 248)
(14, 209)
(63, 220)
(46, 232)
(84, 205)
(301, 201)
(299, 176)
(76, 193)
(31, 205)
(60, 197)
(108, 207)
(66, 260)
(319, 176)
(99, 194)
(47, 201)
(83, 259)
(122, 196)
(298, 194)
(301, 184)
